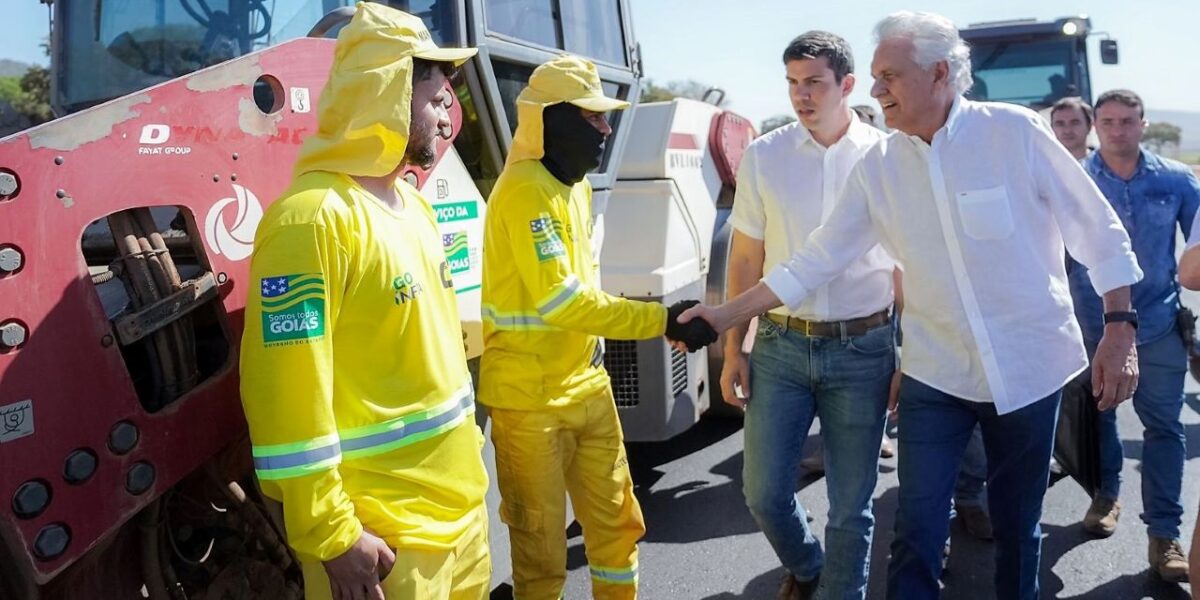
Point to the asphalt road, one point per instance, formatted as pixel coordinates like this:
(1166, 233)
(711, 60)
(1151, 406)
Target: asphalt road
(701, 542)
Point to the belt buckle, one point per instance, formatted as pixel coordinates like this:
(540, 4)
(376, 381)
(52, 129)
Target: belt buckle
(807, 328)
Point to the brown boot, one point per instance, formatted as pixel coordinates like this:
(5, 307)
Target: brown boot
(794, 589)
(1167, 559)
(1102, 516)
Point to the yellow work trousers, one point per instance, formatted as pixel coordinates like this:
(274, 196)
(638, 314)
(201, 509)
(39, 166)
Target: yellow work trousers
(541, 456)
(460, 573)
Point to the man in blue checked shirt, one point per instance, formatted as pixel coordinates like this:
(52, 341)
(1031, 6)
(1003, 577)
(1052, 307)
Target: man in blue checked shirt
(1154, 197)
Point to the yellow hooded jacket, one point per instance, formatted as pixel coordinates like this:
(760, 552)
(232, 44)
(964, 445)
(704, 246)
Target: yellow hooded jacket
(543, 309)
(354, 379)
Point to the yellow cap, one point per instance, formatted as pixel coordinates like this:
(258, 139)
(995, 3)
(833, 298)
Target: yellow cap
(363, 115)
(404, 34)
(571, 79)
(566, 78)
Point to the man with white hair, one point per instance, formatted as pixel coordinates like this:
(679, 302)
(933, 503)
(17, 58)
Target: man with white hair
(975, 201)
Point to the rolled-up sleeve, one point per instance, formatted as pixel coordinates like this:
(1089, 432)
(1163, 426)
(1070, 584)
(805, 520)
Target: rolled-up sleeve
(848, 234)
(1114, 273)
(748, 214)
(1090, 229)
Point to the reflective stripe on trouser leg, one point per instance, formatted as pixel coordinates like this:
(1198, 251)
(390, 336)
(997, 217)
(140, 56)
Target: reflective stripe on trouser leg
(615, 576)
(602, 493)
(531, 449)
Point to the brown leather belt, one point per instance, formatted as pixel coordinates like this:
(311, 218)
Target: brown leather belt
(852, 327)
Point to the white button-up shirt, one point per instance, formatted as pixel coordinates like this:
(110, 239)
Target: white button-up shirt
(788, 184)
(977, 222)
(1194, 239)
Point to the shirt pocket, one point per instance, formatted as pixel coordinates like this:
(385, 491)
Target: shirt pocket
(986, 213)
(1162, 209)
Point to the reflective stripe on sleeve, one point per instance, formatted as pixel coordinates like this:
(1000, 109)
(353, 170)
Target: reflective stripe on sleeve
(384, 437)
(514, 321)
(298, 459)
(284, 461)
(560, 297)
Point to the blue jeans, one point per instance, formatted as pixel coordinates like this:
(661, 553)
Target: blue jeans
(934, 429)
(1162, 366)
(794, 378)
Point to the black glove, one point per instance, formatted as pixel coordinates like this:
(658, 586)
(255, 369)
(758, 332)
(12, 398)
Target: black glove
(696, 333)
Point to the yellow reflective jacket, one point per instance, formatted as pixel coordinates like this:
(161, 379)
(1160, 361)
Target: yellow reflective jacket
(354, 378)
(543, 309)
(353, 372)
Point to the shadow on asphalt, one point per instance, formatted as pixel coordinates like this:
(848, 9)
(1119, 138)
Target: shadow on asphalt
(1059, 540)
(762, 587)
(671, 513)
(970, 569)
(646, 457)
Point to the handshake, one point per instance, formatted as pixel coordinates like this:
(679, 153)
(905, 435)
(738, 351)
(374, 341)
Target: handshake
(695, 334)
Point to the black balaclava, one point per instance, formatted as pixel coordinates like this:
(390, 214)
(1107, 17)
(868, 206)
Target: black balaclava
(572, 145)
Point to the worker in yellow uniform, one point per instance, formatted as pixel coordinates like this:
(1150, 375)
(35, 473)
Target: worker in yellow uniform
(354, 377)
(555, 424)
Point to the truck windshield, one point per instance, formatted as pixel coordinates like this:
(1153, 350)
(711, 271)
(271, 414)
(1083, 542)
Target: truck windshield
(109, 48)
(1034, 74)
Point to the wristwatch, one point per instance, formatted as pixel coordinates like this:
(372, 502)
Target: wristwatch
(1122, 316)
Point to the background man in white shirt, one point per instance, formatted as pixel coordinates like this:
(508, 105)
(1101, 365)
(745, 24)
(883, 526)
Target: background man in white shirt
(831, 357)
(975, 201)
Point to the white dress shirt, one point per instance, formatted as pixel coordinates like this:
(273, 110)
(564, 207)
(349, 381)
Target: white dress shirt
(977, 222)
(787, 186)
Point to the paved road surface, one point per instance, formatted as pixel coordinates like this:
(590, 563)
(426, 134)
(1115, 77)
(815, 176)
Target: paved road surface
(701, 542)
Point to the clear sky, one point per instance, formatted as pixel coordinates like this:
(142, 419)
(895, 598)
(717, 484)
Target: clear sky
(736, 44)
(28, 24)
